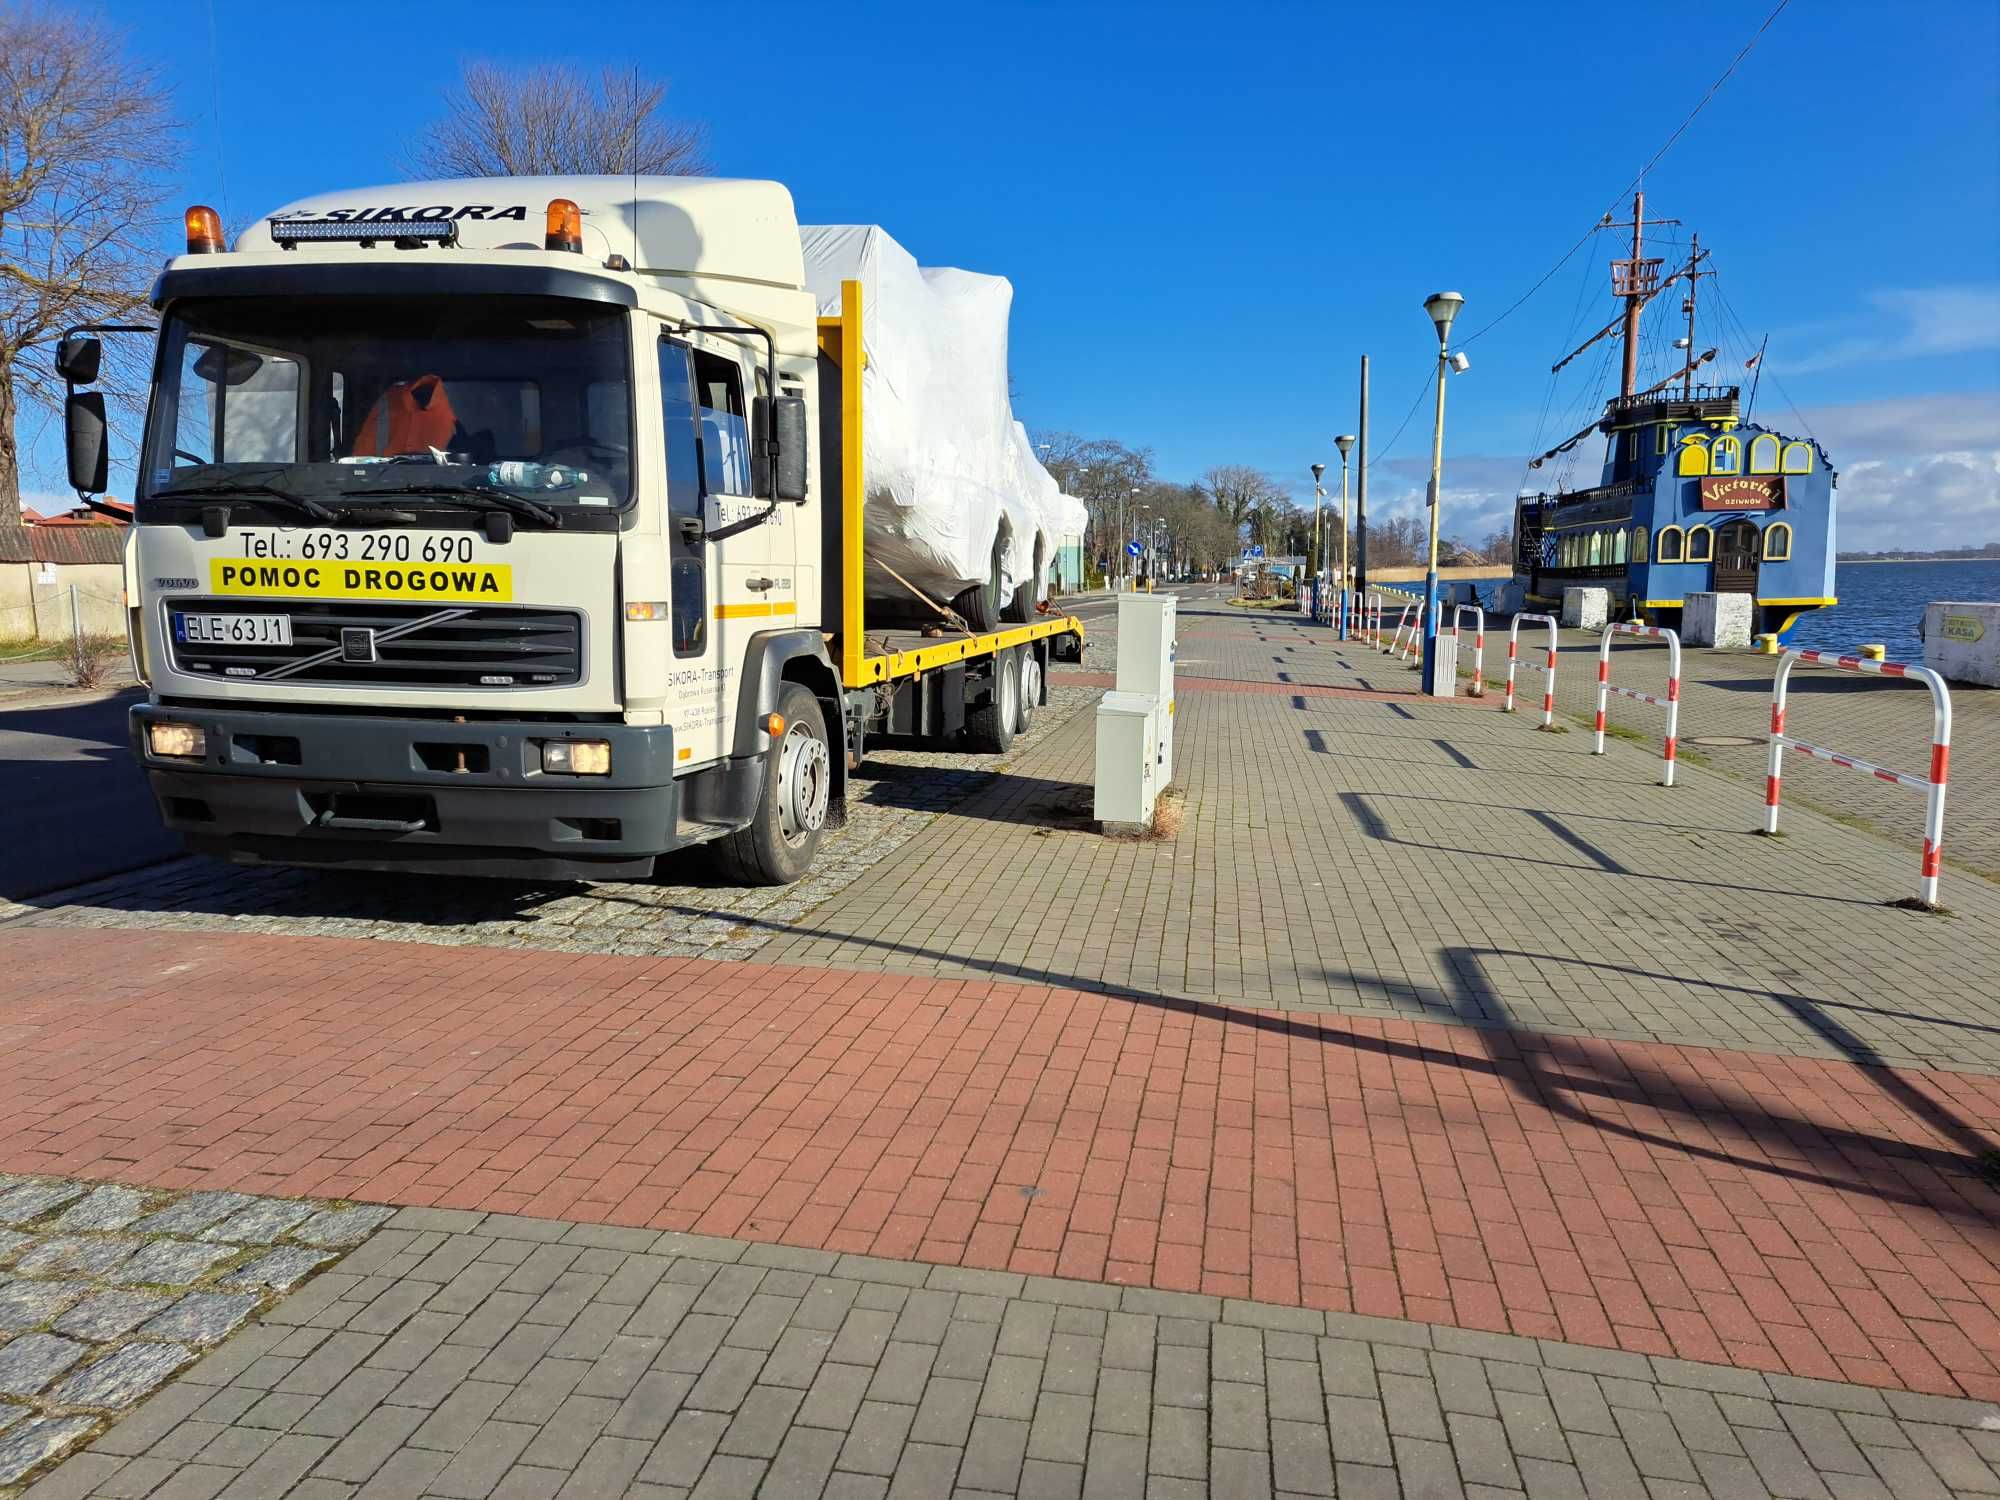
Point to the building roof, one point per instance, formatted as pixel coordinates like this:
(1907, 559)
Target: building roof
(62, 544)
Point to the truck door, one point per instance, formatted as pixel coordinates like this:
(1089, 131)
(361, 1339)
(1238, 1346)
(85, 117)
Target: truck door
(754, 591)
(699, 684)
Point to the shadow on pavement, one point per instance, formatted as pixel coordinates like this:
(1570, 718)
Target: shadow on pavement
(1847, 1160)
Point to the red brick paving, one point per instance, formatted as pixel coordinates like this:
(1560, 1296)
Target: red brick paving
(1769, 1211)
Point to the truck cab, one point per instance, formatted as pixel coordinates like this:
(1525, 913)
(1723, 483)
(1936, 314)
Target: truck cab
(476, 530)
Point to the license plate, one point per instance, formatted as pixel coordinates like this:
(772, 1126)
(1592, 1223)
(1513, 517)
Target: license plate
(233, 630)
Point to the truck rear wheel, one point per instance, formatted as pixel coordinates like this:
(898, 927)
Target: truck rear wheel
(980, 604)
(1021, 608)
(990, 727)
(778, 846)
(1031, 688)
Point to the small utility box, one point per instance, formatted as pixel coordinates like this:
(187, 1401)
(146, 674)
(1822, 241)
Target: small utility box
(1146, 664)
(1961, 642)
(1128, 761)
(1586, 609)
(1718, 620)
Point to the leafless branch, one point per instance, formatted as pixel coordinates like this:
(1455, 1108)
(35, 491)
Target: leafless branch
(553, 120)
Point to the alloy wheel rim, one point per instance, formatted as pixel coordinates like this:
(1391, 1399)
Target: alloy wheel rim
(805, 785)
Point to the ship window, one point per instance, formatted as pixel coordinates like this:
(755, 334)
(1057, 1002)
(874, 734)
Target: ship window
(1725, 456)
(1694, 457)
(1662, 435)
(1632, 444)
(1777, 542)
(1619, 539)
(1638, 544)
(1596, 555)
(1798, 458)
(1700, 544)
(1763, 454)
(1668, 548)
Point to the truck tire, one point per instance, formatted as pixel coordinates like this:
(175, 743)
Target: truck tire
(989, 729)
(1021, 608)
(778, 846)
(1031, 688)
(980, 604)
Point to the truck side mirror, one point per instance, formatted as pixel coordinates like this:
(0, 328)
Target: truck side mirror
(83, 432)
(77, 359)
(783, 421)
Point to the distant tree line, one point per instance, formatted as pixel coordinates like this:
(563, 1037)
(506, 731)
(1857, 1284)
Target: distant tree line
(1923, 554)
(1203, 525)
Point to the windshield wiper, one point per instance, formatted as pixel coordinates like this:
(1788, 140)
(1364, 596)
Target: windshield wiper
(489, 496)
(310, 508)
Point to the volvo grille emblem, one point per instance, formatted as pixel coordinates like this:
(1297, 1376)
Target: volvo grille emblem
(357, 643)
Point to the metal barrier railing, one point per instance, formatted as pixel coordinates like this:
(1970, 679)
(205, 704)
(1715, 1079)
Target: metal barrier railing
(1409, 638)
(1549, 670)
(1933, 784)
(1671, 703)
(1478, 647)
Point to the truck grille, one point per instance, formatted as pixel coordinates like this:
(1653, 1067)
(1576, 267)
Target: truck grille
(411, 645)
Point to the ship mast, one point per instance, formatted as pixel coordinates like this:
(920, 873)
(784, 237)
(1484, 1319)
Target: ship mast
(1637, 280)
(1693, 273)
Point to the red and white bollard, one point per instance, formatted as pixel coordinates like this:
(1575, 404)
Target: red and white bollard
(1478, 647)
(1671, 703)
(1933, 785)
(1549, 681)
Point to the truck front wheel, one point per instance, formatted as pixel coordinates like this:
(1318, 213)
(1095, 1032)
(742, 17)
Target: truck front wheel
(778, 846)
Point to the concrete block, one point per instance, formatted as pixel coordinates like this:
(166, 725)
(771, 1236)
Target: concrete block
(1962, 642)
(1586, 609)
(1722, 620)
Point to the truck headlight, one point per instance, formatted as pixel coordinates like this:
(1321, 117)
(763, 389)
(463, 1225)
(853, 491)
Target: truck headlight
(577, 757)
(182, 741)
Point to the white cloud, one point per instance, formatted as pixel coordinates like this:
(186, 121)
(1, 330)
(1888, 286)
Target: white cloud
(1915, 471)
(1911, 323)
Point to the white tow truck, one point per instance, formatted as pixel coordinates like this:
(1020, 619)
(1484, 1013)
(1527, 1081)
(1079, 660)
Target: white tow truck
(515, 527)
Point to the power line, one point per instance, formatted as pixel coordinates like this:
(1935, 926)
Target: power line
(1651, 162)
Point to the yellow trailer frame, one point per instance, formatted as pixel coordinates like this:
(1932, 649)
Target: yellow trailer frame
(840, 338)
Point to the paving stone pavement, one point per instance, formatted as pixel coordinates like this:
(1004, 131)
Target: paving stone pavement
(1344, 852)
(1810, 1217)
(467, 1355)
(106, 1292)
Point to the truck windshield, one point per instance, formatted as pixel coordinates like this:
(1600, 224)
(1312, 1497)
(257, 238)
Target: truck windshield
(334, 397)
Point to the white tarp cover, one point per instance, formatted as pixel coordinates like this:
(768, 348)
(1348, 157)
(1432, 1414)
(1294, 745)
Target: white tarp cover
(948, 468)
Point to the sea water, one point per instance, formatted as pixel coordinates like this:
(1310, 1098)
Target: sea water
(1885, 602)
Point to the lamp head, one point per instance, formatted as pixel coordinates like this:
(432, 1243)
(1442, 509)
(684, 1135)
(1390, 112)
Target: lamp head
(1443, 307)
(1318, 469)
(1345, 443)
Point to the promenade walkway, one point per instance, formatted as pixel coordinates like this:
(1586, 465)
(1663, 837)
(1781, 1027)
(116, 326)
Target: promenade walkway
(1443, 1111)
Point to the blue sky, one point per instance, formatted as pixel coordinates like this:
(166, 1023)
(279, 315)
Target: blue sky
(1209, 212)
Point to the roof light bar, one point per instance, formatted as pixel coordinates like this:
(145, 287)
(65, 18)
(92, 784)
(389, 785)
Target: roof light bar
(290, 232)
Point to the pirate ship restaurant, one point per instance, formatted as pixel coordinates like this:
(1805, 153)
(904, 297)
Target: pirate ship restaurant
(1693, 498)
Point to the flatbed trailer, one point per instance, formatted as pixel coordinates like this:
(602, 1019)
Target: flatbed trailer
(905, 680)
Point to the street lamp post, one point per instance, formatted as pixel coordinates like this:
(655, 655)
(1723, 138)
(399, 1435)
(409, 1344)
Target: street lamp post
(1312, 557)
(1442, 307)
(1344, 443)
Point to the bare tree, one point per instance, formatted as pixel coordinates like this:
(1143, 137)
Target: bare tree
(551, 120)
(1240, 492)
(86, 137)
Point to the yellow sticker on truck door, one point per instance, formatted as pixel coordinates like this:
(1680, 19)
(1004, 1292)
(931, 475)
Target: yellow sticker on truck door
(446, 583)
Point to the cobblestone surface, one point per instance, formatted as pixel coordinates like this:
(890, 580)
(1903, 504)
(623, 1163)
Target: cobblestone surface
(465, 1355)
(895, 794)
(76, 1349)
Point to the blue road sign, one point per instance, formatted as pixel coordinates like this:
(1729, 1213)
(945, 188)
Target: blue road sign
(1134, 548)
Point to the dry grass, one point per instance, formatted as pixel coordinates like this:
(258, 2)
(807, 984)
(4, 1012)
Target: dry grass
(91, 662)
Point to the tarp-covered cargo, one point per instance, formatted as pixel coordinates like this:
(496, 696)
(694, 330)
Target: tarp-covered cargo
(955, 498)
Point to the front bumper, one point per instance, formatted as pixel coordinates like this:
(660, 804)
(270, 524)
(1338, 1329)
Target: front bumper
(425, 795)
